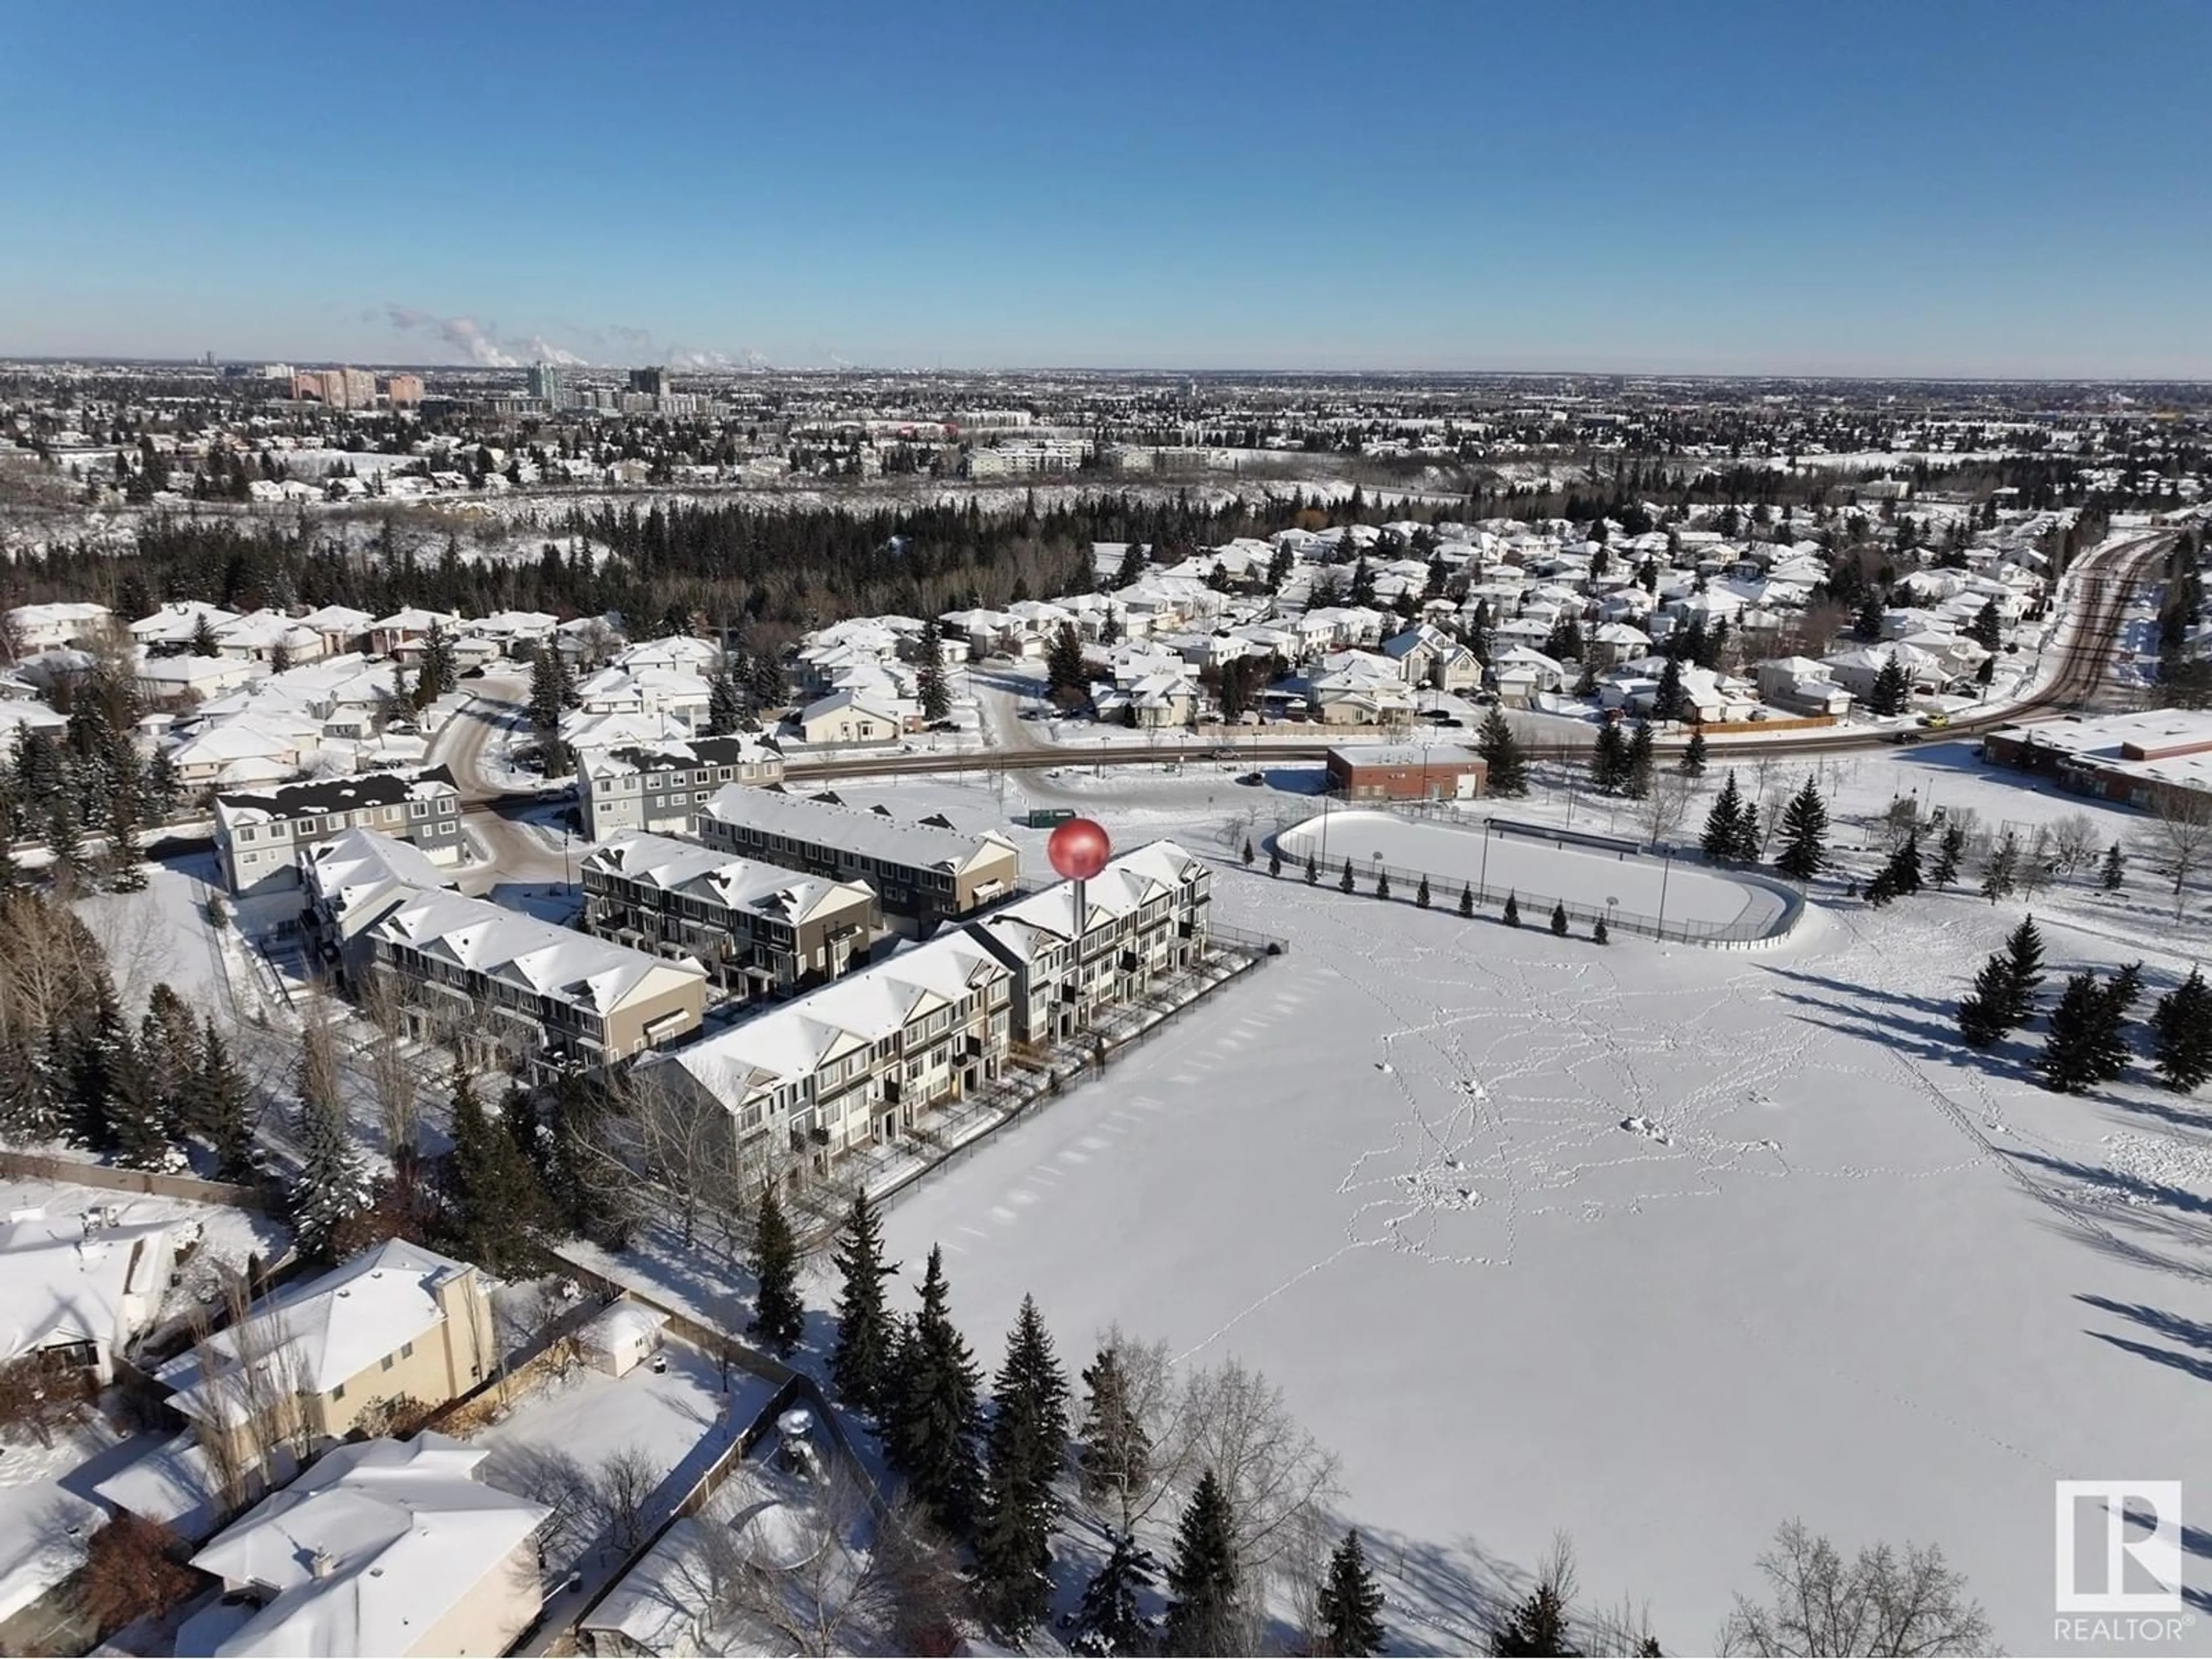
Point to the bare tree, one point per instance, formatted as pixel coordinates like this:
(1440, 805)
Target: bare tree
(247, 1394)
(2074, 843)
(393, 1074)
(2183, 821)
(2035, 862)
(131, 1570)
(1146, 1447)
(1667, 806)
(1884, 1602)
(625, 1481)
(839, 1581)
(555, 1479)
(676, 1144)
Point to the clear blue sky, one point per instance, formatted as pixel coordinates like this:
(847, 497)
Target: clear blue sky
(1950, 186)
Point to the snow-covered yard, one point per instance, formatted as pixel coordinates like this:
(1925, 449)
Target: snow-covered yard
(1658, 1245)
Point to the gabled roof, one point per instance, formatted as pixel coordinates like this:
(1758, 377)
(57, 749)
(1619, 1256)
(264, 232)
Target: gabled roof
(686, 868)
(824, 823)
(540, 958)
(329, 1327)
(60, 1282)
(347, 794)
(369, 1548)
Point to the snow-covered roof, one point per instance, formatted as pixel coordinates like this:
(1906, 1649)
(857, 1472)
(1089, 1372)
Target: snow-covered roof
(62, 1282)
(819, 822)
(361, 866)
(330, 1327)
(369, 1548)
(1125, 886)
(686, 869)
(539, 958)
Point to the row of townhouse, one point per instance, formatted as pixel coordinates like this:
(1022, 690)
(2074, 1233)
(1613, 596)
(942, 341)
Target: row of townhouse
(504, 985)
(758, 929)
(923, 873)
(260, 833)
(856, 1061)
(662, 787)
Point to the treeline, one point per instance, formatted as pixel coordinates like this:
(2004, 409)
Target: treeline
(88, 780)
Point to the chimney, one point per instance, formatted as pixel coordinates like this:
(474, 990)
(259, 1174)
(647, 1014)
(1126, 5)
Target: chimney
(321, 1564)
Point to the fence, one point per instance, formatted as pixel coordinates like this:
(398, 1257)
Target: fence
(41, 1166)
(1534, 909)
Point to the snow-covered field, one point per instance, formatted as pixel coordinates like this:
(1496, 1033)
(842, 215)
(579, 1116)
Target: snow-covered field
(1658, 1245)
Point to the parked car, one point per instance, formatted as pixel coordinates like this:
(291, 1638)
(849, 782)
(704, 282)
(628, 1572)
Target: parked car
(1253, 777)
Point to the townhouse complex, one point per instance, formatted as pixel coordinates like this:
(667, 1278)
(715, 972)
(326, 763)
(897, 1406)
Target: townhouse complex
(662, 787)
(260, 833)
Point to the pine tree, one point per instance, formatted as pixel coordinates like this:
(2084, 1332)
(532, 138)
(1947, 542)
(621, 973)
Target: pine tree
(135, 1118)
(94, 1046)
(1467, 901)
(1948, 851)
(1987, 628)
(1559, 918)
(1204, 1616)
(1274, 861)
(1723, 829)
(1065, 672)
(779, 1315)
(1110, 1623)
(860, 1363)
(1344, 881)
(930, 687)
(1804, 835)
(1745, 848)
(1888, 693)
(332, 1185)
(1536, 1627)
(1600, 934)
(1905, 862)
(169, 1043)
(1421, 895)
(1693, 755)
(1312, 871)
(2181, 1034)
(1637, 763)
(2069, 1059)
(1667, 699)
(491, 1199)
(125, 861)
(1382, 884)
(1116, 1457)
(2108, 1040)
(1027, 1441)
(2023, 969)
(1506, 769)
(1349, 1603)
(1512, 914)
(1999, 878)
(549, 691)
(2114, 871)
(1609, 759)
(220, 1108)
(930, 1434)
(725, 701)
(1249, 854)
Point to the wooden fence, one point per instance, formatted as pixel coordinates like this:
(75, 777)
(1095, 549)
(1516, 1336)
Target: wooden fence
(44, 1166)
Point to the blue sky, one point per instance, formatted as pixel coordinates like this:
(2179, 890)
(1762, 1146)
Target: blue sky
(1960, 186)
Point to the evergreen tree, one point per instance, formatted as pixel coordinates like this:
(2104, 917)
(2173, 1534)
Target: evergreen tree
(1891, 689)
(2023, 968)
(137, 1121)
(930, 687)
(2002, 873)
(1349, 1603)
(125, 861)
(1116, 1456)
(491, 1199)
(1746, 850)
(929, 1436)
(1609, 759)
(1312, 871)
(860, 1363)
(1559, 918)
(1421, 895)
(549, 691)
(169, 1043)
(1667, 700)
(332, 1185)
(2004, 989)
(1512, 913)
(2114, 871)
(1948, 851)
(1693, 755)
(2181, 1034)
(1467, 901)
(1987, 628)
(725, 701)
(1027, 1441)
(1203, 1614)
(1905, 864)
(1131, 567)
(1344, 881)
(1506, 770)
(1110, 1623)
(1637, 762)
(779, 1315)
(2108, 1040)
(65, 841)
(1600, 934)
(221, 1109)
(1274, 861)
(1723, 832)
(1804, 835)
(1536, 1627)
(2069, 1059)
(1866, 627)
(95, 1045)
(1065, 672)
(1382, 884)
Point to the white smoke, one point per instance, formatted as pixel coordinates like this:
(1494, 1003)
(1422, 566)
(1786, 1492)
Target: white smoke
(483, 345)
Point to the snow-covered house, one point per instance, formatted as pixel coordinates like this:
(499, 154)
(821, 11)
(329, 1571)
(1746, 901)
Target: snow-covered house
(171, 682)
(388, 1547)
(179, 623)
(1801, 685)
(35, 627)
(676, 693)
(845, 718)
(1426, 656)
(1856, 670)
(79, 1290)
(342, 628)
(260, 635)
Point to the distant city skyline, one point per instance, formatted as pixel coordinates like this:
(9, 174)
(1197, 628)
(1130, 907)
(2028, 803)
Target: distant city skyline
(1975, 189)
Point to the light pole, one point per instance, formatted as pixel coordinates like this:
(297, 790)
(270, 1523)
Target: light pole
(1483, 879)
(1610, 902)
(1665, 870)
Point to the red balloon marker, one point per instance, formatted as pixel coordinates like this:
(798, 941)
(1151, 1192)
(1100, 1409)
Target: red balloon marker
(1078, 849)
